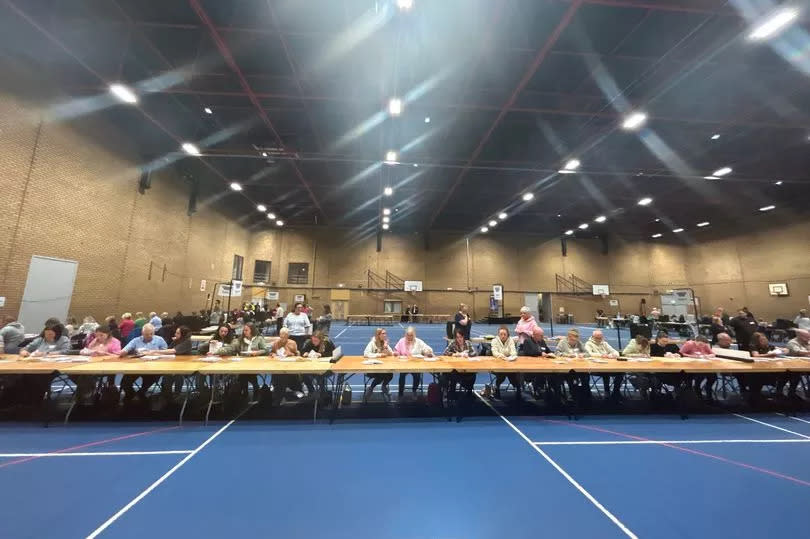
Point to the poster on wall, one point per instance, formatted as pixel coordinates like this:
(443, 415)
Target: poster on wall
(300, 298)
(225, 289)
(202, 285)
(273, 296)
(497, 292)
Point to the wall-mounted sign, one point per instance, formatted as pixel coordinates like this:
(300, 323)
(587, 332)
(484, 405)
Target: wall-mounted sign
(202, 285)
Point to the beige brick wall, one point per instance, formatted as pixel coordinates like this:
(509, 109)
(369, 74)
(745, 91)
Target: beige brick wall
(68, 196)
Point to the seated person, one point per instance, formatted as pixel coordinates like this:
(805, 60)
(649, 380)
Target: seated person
(638, 347)
(223, 337)
(802, 321)
(318, 345)
(181, 346)
(147, 342)
(597, 346)
(799, 346)
(285, 346)
(503, 347)
(378, 347)
(571, 345)
(102, 343)
(459, 347)
(411, 345)
(723, 340)
(51, 341)
(249, 343)
(11, 335)
(662, 347)
(535, 346)
(699, 348)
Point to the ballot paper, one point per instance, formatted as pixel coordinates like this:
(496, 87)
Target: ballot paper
(210, 359)
(510, 358)
(372, 361)
(288, 358)
(431, 359)
(599, 360)
(152, 358)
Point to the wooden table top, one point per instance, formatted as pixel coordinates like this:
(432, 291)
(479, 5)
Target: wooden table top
(263, 364)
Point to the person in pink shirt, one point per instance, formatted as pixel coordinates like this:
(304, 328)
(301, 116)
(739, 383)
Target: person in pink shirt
(409, 346)
(699, 348)
(526, 324)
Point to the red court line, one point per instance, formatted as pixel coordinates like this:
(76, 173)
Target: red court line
(685, 450)
(91, 444)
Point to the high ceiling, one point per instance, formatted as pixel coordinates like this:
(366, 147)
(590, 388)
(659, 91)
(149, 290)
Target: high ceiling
(513, 90)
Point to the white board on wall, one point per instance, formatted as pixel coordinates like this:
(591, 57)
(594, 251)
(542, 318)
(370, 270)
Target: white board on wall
(48, 291)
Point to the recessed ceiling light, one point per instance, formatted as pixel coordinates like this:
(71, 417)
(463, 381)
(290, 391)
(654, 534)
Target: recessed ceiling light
(484, 229)
(404, 4)
(264, 154)
(645, 201)
(388, 191)
(572, 164)
(767, 208)
(386, 211)
(492, 222)
(386, 219)
(601, 219)
(704, 223)
(677, 230)
(658, 220)
(279, 223)
(778, 182)
(386, 226)
(773, 24)
(415, 165)
(391, 157)
(569, 232)
(722, 171)
(208, 110)
(583, 226)
(502, 216)
(427, 119)
(558, 215)
(235, 186)
(123, 93)
(711, 177)
(528, 196)
(395, 106)
(271, 216)
(656, 235)
(716, 136)
(634, 121)
(261, 207)
(190, 148)
(564, 171)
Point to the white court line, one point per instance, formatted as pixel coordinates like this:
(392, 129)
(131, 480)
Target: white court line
(165, 476)
(343, 331)
(685, 442)
(565, 474)
(773, 426)
(796, 418)
(96, 454)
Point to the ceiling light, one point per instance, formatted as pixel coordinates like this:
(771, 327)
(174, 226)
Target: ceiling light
(777, 21)
(261, 207)
(711, 178)
(778, 183)
(386, 226)
(271, 215)
(415, 165)
(427, 119)
(386, 219)
(386, 211)
(569, 232)
(657, 235)
(493, 222)
(715, 136)
(279, 223)
(677, 230)
(528, 196)
(123, 93)
(601, 219)
(391, 157)
(404, 5)
(704, 223)
(502, 216)
(722, 171)
(208, 110)
(658, 220)
(583, 226)
(395, 106)
(558, 215)
(645, 201)
(767, 208)
(388, 191)
(484, 229)
(264, 154)
(572, 164)
(634, 121)
(235, 186)
(565, 171)
(190, 148)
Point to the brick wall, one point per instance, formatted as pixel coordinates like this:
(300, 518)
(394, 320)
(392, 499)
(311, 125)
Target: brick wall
(67, 196)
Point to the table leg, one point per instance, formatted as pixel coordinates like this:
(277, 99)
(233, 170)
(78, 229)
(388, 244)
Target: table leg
(211, 400)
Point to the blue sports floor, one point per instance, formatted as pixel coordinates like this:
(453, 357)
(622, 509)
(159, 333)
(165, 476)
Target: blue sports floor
(488, 476)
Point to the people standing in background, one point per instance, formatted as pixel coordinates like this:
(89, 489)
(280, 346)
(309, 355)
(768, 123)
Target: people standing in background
(410, 345)
(744, 328)
(716, 328)
(378, 347)
(408, 317)
(463, 321)
(71, 327)
(748, 313)
(140, 319)
(299, 325)
(215, 318)
(155, 320)
(126, 326)
(525, 326)
(88, 326)
(801, 320)
(325, 320)
(415, 313)
(279, 317)
(11, 335)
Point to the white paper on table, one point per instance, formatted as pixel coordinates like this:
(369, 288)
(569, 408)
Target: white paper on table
(599, 360)
(417, 356)
(510, 358)
(288, 358)
(373, 355)
(323, 359)
(474, 358)
(560, 362)
(152, 358)
(372, 361)
(431, 359)
(210, 359)
(235, 358)
(7, 360)
(641, 359)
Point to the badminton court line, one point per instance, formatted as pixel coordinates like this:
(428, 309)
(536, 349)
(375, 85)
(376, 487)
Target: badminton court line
(773, 426)
(562, 472)
(97, 454)
(796, 418)
(164, 477)
(664, 442)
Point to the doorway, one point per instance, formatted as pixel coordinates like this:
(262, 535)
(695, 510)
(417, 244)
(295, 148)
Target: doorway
(48, 290)
(340, 309)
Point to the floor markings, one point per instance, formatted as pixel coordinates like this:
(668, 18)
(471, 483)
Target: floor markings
(772, 426)
(562, 472)
(796, 418)
(165, 476)
(665, 442)
(96, 454)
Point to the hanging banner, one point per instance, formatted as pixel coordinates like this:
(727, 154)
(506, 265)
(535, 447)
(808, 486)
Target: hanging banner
(271, 295)
(497, 292)
(225, 289)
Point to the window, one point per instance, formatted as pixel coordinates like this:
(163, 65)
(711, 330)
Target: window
(238, 262)
(261, 271)
(298, 273)
(392, 306)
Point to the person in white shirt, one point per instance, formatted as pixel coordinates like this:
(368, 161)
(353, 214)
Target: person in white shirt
(503, 347)
(299, 325)
(597, 346)
(410, 345)
(378, 347)
(279, 317)
(801, 320)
